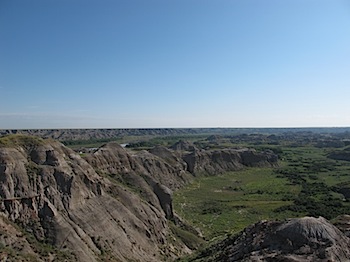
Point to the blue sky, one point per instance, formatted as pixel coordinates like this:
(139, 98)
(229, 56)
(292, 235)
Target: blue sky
(174, 63)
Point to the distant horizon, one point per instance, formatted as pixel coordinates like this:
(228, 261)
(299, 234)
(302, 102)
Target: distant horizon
(146, 128)
(185, 63)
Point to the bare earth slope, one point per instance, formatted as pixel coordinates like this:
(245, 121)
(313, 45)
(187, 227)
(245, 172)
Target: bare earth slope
(55, 194)
(112, 205)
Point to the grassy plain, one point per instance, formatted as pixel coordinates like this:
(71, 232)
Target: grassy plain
(229, 202)
(305, 183)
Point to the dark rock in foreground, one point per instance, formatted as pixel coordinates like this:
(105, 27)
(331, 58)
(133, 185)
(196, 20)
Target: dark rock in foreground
(298, 239)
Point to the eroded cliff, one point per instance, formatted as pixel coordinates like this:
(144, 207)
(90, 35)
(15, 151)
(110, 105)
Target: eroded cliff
(110, 205)
(58, 197)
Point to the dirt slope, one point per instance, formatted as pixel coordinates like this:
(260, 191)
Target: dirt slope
(57, 196)
(111, 205)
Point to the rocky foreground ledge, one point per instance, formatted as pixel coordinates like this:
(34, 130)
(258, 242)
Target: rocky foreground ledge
(293, 240)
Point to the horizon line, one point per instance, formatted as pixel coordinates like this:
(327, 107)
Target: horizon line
(150, 128)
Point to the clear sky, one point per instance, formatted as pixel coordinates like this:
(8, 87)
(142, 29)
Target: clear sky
(174, 63)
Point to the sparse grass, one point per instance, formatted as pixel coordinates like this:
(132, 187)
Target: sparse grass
(304, 184)
(41, 250)
(189, 239)
(20, 140)
(230, 202)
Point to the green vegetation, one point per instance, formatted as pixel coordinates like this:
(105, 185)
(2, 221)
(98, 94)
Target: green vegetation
(135, 142)
(20, 140)
(306, 182)
(188, 238)
(228, 203)
(42, 250)
(91, 143)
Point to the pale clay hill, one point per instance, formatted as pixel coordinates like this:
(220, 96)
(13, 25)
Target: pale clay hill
(115, 204)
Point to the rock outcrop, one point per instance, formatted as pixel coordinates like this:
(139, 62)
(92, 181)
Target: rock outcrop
(218, 161)
(110, 205)
(59, 198)
(14, 246)
(183, 145)
(343, 223)
(299, 239)
(164, 195)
